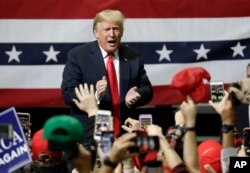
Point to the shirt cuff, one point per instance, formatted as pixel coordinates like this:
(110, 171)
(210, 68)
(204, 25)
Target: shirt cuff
(96, 97)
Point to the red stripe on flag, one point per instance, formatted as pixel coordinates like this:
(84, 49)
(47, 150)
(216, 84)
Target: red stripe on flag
(163, 95)
(63, 9)
(31, 98)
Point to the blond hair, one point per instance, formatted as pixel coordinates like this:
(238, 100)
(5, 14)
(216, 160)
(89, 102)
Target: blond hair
(109, 15)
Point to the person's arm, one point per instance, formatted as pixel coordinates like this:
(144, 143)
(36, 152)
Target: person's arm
(175, 133)
(190, 153)
(227, 113)
(86, 102)
(71, 78)
(170, 155)
(118, 153)
(82, 162)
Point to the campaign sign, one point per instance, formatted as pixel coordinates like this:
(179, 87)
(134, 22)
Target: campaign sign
(14, 152)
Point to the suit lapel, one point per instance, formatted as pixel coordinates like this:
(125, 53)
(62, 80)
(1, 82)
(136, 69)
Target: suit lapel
(99, 66)
(97, 60)
(124, 75)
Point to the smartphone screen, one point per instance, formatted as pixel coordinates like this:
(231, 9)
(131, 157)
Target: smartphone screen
(145, 120)
(107, 140)
(24, 119)
(216, 91)
(6, 131)
(102, 123)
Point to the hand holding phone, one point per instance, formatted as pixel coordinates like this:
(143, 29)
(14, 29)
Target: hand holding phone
(216, 91)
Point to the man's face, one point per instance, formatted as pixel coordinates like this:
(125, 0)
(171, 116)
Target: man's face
(108, 35)
(248, 72)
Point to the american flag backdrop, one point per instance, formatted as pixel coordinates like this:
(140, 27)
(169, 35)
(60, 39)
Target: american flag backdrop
(35, 37)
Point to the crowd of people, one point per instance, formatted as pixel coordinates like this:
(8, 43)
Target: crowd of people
(86, 87)
(209, 156)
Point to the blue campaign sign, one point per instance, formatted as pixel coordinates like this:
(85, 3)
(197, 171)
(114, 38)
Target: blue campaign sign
(14, 152)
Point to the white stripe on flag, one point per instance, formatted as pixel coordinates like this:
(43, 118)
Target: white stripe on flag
(50, 76)
(39, 76)
(136, 30)
(227, 71)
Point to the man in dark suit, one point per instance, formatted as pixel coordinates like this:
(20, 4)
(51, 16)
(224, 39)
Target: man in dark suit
(86, 64)
(243, 112)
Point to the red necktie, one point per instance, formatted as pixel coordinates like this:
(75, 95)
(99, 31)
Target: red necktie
(114, 93)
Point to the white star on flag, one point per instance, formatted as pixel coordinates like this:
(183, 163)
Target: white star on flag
(13, 55)
(202, 52)
(164, 53)
(51, 54)
(238, 49)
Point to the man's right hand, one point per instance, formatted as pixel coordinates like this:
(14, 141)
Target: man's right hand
(225, 109)
(101, 87)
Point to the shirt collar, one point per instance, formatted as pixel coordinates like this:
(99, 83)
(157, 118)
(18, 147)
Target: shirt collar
(104, 53)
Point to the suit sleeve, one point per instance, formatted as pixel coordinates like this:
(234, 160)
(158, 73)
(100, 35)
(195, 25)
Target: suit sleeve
(71, 78)
(144, 86)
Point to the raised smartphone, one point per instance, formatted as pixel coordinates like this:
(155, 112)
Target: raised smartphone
(24, 119)
(102, 123)
(216, 91)
(107, 140)
(145, 120)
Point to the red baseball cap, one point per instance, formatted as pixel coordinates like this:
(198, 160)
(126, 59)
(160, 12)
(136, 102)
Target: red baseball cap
(40, 149)
(209, 153)
(191, 81)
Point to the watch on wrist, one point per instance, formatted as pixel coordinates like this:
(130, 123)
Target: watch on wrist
(107, 162)
(226, 128)
(189, 129)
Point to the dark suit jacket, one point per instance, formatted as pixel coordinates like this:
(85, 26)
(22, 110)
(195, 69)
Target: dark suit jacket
(85, 64)
(242, 118)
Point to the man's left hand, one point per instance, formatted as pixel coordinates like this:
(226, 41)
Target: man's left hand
(132, 96)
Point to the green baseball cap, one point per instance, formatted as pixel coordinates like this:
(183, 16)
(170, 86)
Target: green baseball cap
(63, 132)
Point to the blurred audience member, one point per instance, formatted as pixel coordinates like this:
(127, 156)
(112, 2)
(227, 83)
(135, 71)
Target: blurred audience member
(45, 160)
(190, 153)
(171, 159)
(118, 153)
(82, 162)
(243, 112)
(226, 111)
(175, 133)
(209, 153)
